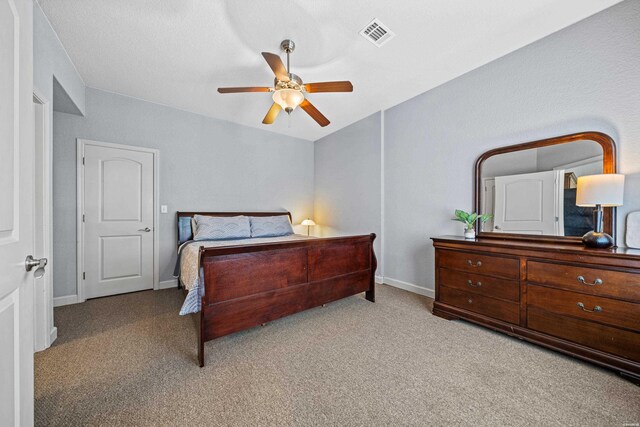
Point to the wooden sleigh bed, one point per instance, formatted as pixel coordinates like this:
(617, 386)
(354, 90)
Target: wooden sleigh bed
(249, 285)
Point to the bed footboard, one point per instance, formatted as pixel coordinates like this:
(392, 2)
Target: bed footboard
(246, 286)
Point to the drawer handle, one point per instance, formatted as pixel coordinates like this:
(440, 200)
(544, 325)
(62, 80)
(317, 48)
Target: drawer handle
(477, 264)
(596, 309)
(470, 283)
(469, 300)
(584, 282)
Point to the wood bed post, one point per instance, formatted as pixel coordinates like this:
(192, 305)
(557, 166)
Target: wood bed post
(201, 338)
(201, 322)
(370, 295)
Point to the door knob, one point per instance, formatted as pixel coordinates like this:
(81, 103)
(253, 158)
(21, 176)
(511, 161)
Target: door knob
(30, 262)
(146, 229)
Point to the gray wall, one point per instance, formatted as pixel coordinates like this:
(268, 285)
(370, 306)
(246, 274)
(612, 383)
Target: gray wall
(539, 159)
(564, 154)
(347, 181)
(50, 60)
(205, 164)
(584, 77)
(525, 161)
(56, 79)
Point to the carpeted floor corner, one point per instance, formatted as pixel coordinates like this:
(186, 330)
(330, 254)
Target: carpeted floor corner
(131, 360)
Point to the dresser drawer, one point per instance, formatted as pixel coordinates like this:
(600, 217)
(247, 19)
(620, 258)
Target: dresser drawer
(479, 284)
(502, 310)
(508, 268)
(604, 310)
(594, 281)
(601, 337)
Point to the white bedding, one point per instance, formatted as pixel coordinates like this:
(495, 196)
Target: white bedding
(190, 276)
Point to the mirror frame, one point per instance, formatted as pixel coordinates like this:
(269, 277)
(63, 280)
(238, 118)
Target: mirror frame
(608, 166)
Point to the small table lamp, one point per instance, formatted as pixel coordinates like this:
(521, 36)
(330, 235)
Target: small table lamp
(309, 223)
(605, 190)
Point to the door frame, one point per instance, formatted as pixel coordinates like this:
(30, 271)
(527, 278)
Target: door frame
(81, 144)
(484, 200)
(44, 338)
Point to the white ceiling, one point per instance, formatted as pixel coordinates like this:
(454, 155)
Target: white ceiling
(177, 52)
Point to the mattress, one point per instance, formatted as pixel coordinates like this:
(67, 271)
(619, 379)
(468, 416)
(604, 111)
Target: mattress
(190, 272)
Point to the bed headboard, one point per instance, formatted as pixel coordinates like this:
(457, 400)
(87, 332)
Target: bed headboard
(184, 221)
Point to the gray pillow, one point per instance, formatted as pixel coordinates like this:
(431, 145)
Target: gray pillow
(270, 226)
(221, 228)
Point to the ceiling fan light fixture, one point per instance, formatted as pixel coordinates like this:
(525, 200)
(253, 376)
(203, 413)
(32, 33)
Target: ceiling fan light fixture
(288, 99)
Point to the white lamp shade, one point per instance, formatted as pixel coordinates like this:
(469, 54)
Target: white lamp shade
(288, 98)
(308, 222)
(605, 189)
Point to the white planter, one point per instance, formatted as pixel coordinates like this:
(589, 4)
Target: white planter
(470, 233)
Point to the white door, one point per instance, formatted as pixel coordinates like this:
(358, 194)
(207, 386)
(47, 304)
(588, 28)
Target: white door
(527, 203)
(118, 219)
(16, 213)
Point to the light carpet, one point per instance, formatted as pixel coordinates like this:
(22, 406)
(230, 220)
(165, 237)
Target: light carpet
(131, 360)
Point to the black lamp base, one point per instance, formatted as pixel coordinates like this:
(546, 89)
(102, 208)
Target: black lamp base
(594, 239)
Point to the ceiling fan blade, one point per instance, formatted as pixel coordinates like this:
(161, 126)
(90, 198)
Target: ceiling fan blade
(314, 113)
(272, 114)
(277, 66)
(243, 89)
(345, 86)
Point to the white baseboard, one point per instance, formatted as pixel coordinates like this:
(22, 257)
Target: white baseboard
(65, 300)
(379, 280)
(73, 299)
(409, 287)
(53, 335)
(168, 284)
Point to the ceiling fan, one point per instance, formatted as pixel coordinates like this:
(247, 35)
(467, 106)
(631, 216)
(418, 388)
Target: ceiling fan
(289, 90)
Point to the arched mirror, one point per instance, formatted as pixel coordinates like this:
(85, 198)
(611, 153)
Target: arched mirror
(530, 188)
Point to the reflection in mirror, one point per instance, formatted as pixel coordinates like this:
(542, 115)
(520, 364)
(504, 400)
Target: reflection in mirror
(534, 191)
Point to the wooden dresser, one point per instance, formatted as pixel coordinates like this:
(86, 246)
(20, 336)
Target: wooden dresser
(582, 302)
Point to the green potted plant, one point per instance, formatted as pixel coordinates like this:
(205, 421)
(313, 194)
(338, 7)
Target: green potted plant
(469, 221)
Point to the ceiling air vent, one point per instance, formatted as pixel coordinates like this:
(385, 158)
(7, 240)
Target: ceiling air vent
(377, 33)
